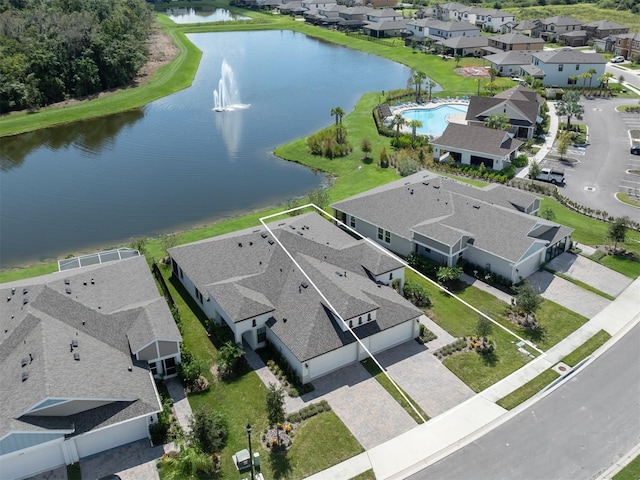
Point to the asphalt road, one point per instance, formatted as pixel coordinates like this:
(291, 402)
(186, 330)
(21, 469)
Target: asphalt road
(576, 432)
(602, 166)
(628, 76)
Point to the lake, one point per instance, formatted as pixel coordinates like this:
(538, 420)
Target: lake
(202, 15)
(176, 163)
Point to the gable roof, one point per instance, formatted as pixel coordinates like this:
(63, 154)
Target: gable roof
(568, 55)
(478, 139)
(518, 98)
(110, 310)
(605, 25)
(561, 20)
(428, 204)
(259, 278)
(465, 42)
(512, 57)
(515, 38)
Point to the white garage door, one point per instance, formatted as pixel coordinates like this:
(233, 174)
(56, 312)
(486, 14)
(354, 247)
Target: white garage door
(32, 461)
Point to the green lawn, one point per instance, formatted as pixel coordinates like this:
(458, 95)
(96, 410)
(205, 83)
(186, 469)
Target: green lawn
(630, 472)
(368, 475)
(383, 380)
(528, 390)
(242, 401)
(587, 348)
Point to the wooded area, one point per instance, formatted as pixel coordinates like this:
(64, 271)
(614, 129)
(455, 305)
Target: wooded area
(53, 50)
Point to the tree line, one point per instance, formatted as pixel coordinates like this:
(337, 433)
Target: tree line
(53, 50)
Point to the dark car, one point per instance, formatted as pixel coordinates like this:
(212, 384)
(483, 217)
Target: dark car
(635, 150)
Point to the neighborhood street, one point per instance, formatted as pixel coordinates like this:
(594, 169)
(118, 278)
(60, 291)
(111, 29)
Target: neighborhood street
(576, 431)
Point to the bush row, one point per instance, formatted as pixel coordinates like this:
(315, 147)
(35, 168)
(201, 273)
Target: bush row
(281, 368)
(309, 411)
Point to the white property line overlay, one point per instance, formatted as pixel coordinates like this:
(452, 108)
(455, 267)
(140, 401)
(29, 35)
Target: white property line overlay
(406, 265)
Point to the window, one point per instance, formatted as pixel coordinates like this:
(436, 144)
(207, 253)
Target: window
(359, 320)
(391, 276)
(262, 334)
(350, 323)
(253, 322)
(198, 295)
(368, 317)
(169, 366)
(181, 274)
(560, 67)
(380, 233)
(577, 67)
(154, 368)
(387, 236)
(353, 222)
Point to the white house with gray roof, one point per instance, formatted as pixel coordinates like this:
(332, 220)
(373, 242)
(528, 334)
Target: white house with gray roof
(248, 281)
(561, 66)
(495, 227)
(75, 353)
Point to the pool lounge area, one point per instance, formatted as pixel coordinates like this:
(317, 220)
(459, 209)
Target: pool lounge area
(434, 115)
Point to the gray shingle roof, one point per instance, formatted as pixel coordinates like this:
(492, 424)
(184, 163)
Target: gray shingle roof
(568, 55)
(519, 97)
(561, 20)
(478, 139)
(513, 57)
(121, 309)
(515, 38)
(261, 275)
(466, 42)
(497, 226)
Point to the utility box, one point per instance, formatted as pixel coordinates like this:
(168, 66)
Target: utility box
(256, 459)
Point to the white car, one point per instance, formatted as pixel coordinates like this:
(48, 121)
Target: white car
(618, 59)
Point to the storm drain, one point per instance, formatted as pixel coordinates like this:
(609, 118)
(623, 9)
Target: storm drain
(590, 189)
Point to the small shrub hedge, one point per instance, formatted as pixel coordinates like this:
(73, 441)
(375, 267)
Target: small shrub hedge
(309, 411)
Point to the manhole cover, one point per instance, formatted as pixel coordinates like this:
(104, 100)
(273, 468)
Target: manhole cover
(597, 109)
(590, 189)
(561, 368)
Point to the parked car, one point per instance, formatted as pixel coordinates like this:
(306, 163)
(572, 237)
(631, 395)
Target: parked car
(617, 59)
(635, 150)
(553, 175)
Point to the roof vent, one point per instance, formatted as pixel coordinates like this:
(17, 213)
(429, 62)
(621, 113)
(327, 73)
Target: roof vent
(25, 300)
(281, 224)
(292, 227)
(240, 244)
(8, 299)
(93, 282)
(284, 320)
(412, 191)
(76, 357)
(13, 290)
(25, 375)
(304, 284)
(300, 233)
(25, 290)
(68, 290)
(436, 186)
(339, 274)
(24, 362)
(250, 243)
(67, 281)
(425, 183)
(477, 207)
(74, 343)
(84, 283)
(271, 242)
(130, 368)
(263, 235)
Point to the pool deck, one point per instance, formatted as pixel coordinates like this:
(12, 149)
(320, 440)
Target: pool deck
(434, 103)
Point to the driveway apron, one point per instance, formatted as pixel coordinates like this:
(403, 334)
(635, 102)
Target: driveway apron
(367, 409)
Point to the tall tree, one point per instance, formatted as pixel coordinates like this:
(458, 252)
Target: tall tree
(430, 84)
(365, 146)
(570, 107)
(618, 231)
(338, 113)
(418, 79)
(229, 357)
(564, 140)
(275, 406)
(529, 301)
(497, 121)
(591, 72)
(186, 464)
(414, 124)
(399, 121)
(534, 169)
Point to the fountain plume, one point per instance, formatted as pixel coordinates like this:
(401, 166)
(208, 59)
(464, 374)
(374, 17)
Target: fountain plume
(226, 96)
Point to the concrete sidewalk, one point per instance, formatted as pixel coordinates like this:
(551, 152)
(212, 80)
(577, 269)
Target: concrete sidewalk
(548, 142)
(442, 435)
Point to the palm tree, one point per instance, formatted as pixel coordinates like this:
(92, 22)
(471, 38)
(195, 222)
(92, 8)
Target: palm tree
(491, 86)
(570, 107)
(604, 79)
(497, 121)
(457, 57)
(493, 73)
(591, 72)
(187, 463)
(430, 84)
(338, 113)
(398, 121)
(414, 124)
(418, 80)
(528, 79)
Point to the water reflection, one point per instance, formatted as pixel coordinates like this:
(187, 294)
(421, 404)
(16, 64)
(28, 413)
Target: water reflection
(88, 136)
(202, 15)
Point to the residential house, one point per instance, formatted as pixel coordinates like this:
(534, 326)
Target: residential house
(604, 28)
(384, 15)
(508, 63)
(77, 359)
(381, 3)
(293, 8)
(575, 38)
(489, 20)
(476, 145)
(532, 28)
(430, 30)
(520, 104)
(385, 29)
(447, 11)
(562, 66)
(353, 18)
(494, 227)
(324, 15)
(554, 26)
(627, 45)
(604, 44)
(515, 41)
(317, 4)
(304, 285)
(464, 46)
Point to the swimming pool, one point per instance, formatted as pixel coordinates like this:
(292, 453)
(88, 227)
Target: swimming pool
(434, 120)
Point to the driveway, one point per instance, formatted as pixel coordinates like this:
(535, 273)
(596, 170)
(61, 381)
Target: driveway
(590, 272)
(134, 461)
(368, 411)
(425, 379)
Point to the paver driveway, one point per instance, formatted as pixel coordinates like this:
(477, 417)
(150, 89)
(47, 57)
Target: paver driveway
(368, 411)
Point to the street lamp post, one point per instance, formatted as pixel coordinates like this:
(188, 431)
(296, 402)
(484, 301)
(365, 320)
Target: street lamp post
(250, 452)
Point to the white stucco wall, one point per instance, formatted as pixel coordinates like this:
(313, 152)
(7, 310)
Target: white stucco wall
(31, 461)
(110, 437)
(393, 336)
(554, 77)
(479, 257)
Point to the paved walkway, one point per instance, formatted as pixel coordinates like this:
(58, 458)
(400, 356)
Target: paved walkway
(548, 142)
(429, 442)
(181, 405)
(499, 294)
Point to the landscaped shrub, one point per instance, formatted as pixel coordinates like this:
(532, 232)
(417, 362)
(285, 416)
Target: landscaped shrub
(309, 411)
(208, 430)
(326, 144)
(189, 369)
(279, 366)
(425, 335)
(520, 161)
(423, 265)
(408, 166)
(417, 294)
